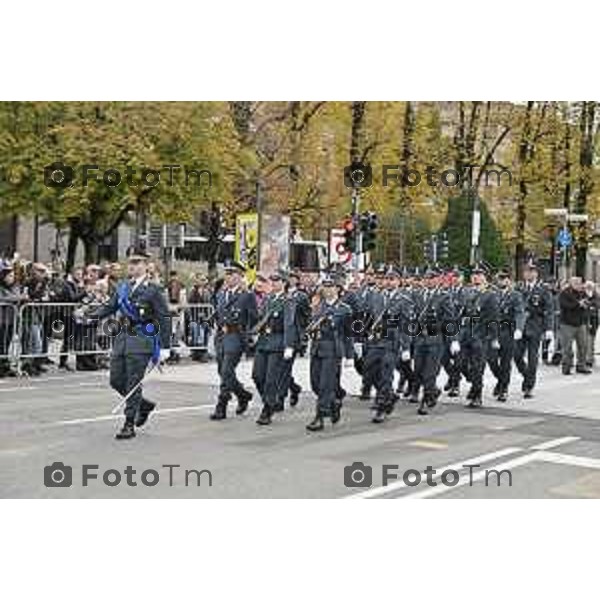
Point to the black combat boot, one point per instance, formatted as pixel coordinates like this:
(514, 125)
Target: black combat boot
(295, 390)
(243, 401)
(146, 408)
(317, 423)
(220, 411)
(453, 392)
(265, 416)
(422, 410)
(471, 394)
(475, 400)
(127, 432)
(527, 393)
(336, 412)
(502, 395)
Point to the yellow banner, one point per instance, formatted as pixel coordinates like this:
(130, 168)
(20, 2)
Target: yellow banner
(246, 243)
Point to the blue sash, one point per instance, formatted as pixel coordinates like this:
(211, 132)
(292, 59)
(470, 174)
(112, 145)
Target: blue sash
(132, 313)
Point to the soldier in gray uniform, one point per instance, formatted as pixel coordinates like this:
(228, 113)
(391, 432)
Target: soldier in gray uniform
(427, 342)
(144, 335)
(274, 350)
(478, 330)
(539, 316)
(302, 317)
(235, 315)
(330, 343)
(511, 321)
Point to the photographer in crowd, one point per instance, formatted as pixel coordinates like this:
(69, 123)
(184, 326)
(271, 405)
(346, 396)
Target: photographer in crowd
(593, 310)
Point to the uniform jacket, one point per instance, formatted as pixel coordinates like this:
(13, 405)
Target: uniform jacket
(236, 315)
(278, 324)
(331, 339)
(151, 303)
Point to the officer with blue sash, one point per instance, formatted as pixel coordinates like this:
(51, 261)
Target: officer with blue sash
(141, 335)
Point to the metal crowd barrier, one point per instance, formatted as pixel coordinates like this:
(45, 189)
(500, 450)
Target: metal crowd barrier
(9, 318)
(57, 330)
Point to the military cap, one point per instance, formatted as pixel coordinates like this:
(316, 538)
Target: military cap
(234, 265)
(137, 253)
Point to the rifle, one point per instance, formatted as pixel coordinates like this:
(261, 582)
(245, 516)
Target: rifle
(315, 324)
(258, 328)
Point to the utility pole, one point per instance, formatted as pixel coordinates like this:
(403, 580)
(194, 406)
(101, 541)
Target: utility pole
(475, 225)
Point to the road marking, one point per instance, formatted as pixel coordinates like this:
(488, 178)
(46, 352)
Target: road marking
(100, 418)
(554, 443)
(27, 388)
(569, 459)
(439, 490)
(386, 489)
(428, 444)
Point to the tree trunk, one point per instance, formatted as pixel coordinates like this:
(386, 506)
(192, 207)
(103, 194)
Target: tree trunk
(71, 249)
(90, 250)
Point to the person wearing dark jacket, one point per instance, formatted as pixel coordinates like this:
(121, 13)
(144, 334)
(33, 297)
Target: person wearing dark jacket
(573, 308)
(9, 299)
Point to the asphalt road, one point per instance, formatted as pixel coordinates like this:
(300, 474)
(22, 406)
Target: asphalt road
(550, 444)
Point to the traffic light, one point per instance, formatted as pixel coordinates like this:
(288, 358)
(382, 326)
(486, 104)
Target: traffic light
(349, 234)
(428, 250)
(443, 246)
(368, 226)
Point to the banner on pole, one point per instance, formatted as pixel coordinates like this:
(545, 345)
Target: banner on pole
(246, 243)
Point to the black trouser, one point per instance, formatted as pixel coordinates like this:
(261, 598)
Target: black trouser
(126, 370)
(500, 360)
(473, 362)
(450, 364)
(427, 367)
(324, 373)
(528, 346)
(227, 363)
(268, 373)
(288, 383)
(378, 367)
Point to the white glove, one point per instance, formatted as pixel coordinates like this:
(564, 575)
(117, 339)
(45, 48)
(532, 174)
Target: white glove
(348, 363)
(518, 334)
(164, 354)
(405, 355)
(454, 347)
(358, 350)
(495, 344)
(549, 335)
(288, 353)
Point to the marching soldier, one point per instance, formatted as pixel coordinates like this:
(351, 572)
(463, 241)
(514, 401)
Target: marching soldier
(511, 320)
(479, 328)
(274, 350)
(301, 304)
(451, 313)
(144, 335)
(235, 315)
(539, 314)
(427, 342)
(329, 345)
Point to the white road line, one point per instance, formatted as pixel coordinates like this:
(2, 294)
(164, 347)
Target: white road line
(386, 489)
(163, 411)
(439, 490)
(554, 443)
(569, 459)
(28, 388)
